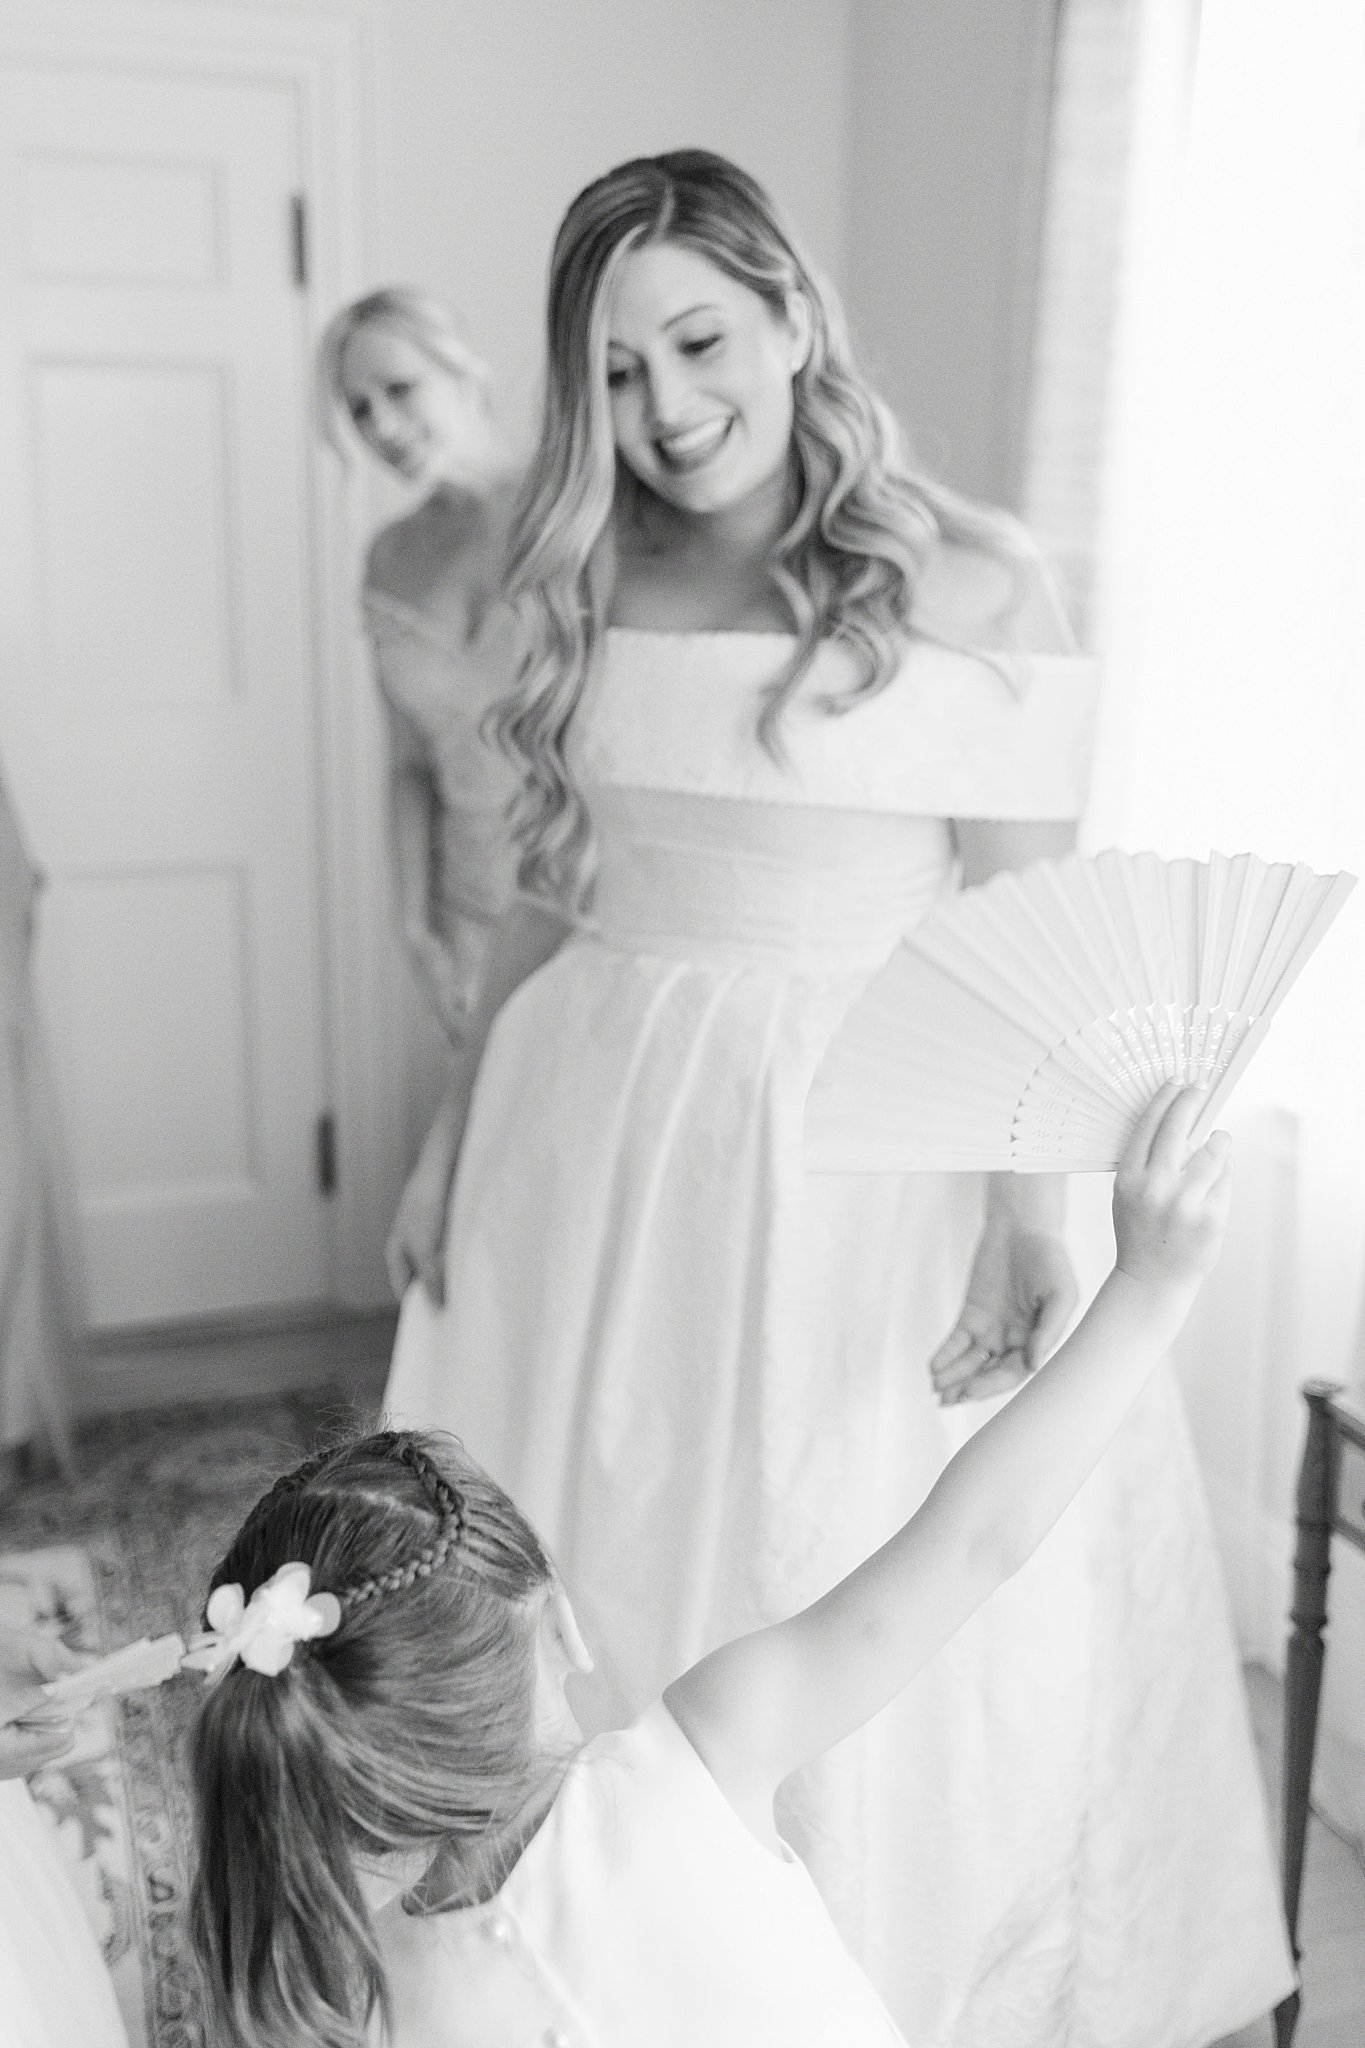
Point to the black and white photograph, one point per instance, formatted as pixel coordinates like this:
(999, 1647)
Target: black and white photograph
(682, 1121)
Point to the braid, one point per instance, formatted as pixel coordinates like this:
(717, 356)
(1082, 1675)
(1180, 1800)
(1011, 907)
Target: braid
(450, 1510)
(432, 1480)
(295, 1481)
(288, 1482)
(452, 1524)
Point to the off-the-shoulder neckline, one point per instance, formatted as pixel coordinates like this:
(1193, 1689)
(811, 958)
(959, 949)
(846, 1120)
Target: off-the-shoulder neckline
(431, 629)
(917, 642)
(706, 632)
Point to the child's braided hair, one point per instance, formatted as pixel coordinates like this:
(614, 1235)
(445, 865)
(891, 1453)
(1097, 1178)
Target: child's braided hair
(411, 1728)
(450, 1528)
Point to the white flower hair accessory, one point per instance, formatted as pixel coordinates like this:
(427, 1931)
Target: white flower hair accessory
(262, 1631)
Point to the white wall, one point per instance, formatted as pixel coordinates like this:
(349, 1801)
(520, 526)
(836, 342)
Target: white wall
(490, 114)
(949, 123)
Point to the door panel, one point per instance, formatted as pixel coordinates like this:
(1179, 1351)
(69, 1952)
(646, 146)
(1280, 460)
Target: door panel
(158, 710)
(109, 936)
(110, 220)
(130, 467)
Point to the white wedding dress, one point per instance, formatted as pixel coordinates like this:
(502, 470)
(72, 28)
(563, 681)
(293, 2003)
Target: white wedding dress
(703, 1373)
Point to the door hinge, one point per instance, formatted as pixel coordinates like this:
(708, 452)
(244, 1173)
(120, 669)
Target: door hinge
(298, 238)
(327, 1153)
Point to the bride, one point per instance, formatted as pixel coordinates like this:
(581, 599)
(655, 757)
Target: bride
(781, 694)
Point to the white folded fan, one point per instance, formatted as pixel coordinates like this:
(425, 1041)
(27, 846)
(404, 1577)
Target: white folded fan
(1024, 1025)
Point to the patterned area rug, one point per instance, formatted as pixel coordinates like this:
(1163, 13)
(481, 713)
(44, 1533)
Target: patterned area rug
(125, 1550)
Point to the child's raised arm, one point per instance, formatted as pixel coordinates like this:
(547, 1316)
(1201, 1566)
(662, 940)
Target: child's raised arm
(759, 1707)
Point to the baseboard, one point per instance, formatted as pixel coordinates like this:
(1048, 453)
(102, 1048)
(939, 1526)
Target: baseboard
(238, 1356)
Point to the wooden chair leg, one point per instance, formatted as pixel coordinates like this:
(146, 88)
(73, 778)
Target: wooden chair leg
(1286, 2019)
(1315, 1511)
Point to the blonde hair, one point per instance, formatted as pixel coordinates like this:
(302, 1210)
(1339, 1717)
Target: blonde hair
(415, 317)
(847, 565)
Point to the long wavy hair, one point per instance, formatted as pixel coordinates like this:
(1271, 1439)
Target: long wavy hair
(411, 1728)
(848, 563)
(415, 317)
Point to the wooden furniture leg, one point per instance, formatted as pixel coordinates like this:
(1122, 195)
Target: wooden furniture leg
(1315, 1511)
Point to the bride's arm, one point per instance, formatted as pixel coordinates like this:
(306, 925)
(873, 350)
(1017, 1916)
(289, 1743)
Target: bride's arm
(527, 935)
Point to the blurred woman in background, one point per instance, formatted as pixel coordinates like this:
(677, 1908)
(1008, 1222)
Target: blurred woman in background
(394, 371)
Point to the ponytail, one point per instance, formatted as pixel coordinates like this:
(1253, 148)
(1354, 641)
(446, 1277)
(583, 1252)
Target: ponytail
(410, 1727)
(276, 1912)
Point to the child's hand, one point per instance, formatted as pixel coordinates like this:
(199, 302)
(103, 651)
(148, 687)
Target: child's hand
(1171, 1204)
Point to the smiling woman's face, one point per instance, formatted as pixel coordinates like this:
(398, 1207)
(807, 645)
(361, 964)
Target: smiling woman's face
(699, 373)
(413, 414)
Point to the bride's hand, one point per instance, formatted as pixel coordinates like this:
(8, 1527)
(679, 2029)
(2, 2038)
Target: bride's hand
(445, 983)
(1020, 1297)
(416, 1243)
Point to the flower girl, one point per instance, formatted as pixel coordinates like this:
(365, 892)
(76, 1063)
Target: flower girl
(402, 1834)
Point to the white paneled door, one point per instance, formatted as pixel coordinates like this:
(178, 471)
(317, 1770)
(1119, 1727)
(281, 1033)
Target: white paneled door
(156, 706)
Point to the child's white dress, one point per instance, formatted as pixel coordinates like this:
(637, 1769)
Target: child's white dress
(643, 1914)
(54, 1989)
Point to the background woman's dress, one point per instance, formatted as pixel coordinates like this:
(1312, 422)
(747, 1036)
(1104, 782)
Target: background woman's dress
(437, 690)
(703, 1373)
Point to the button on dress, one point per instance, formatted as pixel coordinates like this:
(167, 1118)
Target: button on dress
(642, 1914)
